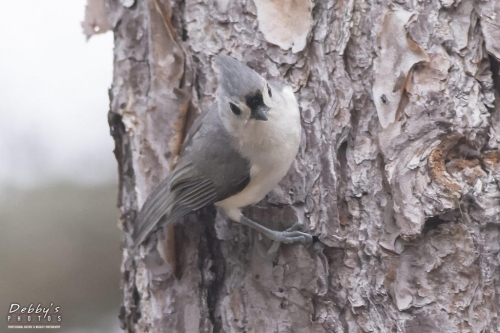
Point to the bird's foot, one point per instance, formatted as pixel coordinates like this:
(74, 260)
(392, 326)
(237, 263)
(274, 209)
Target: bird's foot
(290, 235)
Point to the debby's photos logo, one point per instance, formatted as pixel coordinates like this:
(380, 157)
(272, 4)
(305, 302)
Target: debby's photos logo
(34, 316)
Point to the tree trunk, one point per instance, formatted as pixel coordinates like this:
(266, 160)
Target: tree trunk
(397, 176)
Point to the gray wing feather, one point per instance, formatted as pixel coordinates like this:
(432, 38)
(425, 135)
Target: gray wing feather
(152, 211)
(209, 170)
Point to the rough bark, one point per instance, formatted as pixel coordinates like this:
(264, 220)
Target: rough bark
(397, 176)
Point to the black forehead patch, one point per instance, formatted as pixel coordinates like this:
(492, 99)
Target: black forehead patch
(254, 100)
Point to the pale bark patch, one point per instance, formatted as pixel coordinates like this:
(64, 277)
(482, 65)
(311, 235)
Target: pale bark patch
(285, 23)
(398, 54)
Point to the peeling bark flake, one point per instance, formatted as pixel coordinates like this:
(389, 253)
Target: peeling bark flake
(285, 23)
(398, 54)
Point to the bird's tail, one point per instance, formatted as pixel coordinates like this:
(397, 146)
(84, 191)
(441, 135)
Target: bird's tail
(157, 205)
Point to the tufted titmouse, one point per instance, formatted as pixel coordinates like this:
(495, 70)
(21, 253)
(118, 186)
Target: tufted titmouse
(233, 155)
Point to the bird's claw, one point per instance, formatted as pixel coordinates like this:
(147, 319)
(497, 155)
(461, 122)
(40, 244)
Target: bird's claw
(290, 235)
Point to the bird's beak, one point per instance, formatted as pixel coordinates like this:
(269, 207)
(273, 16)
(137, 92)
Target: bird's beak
(260, 113)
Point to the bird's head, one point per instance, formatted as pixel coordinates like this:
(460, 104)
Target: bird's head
(245, 98)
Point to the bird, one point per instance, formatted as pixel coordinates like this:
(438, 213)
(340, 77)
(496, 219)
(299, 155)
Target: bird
(234, 154)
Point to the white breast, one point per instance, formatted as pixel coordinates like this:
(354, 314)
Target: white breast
(271, 146)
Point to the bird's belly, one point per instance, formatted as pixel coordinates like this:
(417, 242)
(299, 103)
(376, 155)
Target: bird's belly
(262, 181)
(272, 158)
(252, 193)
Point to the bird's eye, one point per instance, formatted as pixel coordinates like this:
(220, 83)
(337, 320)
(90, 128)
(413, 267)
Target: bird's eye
(236, 110)
(269, 91)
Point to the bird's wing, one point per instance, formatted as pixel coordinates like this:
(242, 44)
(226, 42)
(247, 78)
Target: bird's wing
(194, 129)
(209, 170)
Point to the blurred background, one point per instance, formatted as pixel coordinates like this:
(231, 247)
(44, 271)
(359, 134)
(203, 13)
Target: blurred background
(58, 185)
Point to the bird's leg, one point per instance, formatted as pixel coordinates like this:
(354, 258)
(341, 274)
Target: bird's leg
(291, 235)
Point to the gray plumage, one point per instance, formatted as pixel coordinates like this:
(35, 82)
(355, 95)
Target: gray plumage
(209, 170)
(233, 155)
